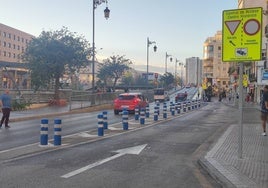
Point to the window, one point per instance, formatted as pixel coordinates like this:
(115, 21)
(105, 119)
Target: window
(14, 37)
(9, 35)
(14, 46)
(18, 38)
(9, 45)
(22, 39)
(18, 47)
(9, 54)
(219, 47)
(5, 44)
(4, 34)
(14, 55)
(5, 53)
(22, 49)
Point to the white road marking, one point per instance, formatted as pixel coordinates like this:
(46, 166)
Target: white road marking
(131, 150)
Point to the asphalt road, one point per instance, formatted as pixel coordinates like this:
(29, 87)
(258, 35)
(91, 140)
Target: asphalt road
(164, 155)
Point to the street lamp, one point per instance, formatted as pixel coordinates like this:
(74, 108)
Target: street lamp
(175, 73)
(106, 15)
(166, 61)
(155, 48)
(182, 65)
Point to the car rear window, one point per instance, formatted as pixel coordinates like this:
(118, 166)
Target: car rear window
(126, 97)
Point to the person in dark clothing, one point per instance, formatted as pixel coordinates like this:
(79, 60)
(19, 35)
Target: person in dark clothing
(264, 109)
(5, 102)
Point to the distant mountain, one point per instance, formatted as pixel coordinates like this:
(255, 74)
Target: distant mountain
(154, 69)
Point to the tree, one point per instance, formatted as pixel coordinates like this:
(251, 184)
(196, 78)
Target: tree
(53, 54)
(167, 80)
(112, 69)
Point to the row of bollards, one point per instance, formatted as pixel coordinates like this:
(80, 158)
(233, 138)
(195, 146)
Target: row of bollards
(44, 132)
(103, 119)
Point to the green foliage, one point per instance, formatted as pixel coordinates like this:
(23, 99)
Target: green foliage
(53, 54)
(167, 80)
(112, 69)
(20, 105)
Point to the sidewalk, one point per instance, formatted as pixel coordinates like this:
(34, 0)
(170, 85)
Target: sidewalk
(223, 162)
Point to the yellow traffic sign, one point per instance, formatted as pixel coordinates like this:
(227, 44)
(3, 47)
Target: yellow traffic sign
(242, 34)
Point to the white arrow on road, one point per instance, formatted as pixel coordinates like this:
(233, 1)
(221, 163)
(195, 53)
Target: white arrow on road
(131, 150)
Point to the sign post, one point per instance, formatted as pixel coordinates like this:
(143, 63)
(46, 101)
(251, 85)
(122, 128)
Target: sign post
(241, 42)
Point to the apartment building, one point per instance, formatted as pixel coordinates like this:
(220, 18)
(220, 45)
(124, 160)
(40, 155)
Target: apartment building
(193, 71)
(214, 70)
(13, 42)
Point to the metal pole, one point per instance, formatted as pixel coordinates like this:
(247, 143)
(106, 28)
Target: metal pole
(93, 47)
(240, 137)
(166, 63)
(147, 70)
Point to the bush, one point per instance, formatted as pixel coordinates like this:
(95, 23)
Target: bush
(18, 105)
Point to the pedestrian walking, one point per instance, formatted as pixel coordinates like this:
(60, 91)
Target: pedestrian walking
(5, 102)
(264, 109)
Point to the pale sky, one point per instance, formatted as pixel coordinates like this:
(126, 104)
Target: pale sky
(179, 27)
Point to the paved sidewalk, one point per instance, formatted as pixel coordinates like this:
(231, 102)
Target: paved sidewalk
(223, 162)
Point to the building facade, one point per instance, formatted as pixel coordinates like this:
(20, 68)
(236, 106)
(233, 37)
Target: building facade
(13, 42)
(215, 71)
(193, 71)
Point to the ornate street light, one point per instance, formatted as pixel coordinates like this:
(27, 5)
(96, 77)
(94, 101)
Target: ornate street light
(106, 15)
(166, 61)
(155, 48)
(175, 73)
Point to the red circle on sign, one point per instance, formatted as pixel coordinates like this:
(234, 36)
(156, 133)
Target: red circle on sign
(252, 26)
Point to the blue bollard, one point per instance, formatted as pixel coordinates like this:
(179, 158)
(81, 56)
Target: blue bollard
(170, 104)
(57, 132)
(105, 118)
(142, 117)
(147, 110)
(125, 120)
(100, 125)
(184, 107)
(136, 113)
(44, 132)
(189, 106)
(155, 114)
(158, 107)
(165, 111)
(173, 110)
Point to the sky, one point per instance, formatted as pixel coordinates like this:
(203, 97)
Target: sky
(178, 27)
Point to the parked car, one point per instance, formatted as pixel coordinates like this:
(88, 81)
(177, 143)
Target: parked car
(181, 97)
(129, 101)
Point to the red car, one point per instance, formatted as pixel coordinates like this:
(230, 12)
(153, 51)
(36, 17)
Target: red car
(129, 101)
(181, 97)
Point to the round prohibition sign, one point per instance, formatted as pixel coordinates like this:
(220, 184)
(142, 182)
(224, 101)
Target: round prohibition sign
(252, 26)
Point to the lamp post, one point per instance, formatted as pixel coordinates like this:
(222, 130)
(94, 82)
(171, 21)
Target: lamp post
(155, 48)
(181, 64)
(175, 73)
(166, 61)
(106, 15)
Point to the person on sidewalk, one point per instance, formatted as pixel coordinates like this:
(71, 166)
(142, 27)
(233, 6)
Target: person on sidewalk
(5, 102)
(264, 109)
